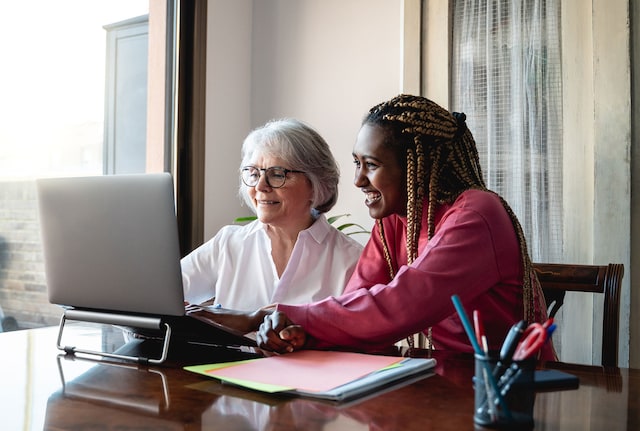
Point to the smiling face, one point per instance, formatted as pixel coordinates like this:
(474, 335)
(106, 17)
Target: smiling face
(287, 206)
(379, 174)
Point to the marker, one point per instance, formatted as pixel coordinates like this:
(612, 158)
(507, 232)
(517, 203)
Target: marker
(476, 347)
(480, 335)
(509, 346)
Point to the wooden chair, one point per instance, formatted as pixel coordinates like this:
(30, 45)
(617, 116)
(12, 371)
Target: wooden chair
(557, 279)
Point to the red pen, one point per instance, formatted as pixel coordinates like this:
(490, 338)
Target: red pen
(479, 329)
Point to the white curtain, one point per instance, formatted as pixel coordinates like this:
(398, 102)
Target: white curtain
(507, 80)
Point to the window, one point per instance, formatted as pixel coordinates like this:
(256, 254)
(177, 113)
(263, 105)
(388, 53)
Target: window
(83, 93)
(506, 76)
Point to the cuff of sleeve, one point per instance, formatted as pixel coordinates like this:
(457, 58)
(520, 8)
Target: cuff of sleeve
(299, 315)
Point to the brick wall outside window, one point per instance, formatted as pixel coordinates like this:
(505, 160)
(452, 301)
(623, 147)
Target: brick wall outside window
(23, 292)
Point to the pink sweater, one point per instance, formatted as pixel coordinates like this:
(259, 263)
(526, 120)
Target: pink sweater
(474, 253)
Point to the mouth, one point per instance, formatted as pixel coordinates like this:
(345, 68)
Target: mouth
(371, 197)
(265, 202)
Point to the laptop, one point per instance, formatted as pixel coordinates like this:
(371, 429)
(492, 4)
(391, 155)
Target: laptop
(112, 255)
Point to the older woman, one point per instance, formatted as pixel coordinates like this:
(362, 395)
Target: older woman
(290, 253)
(439, 231)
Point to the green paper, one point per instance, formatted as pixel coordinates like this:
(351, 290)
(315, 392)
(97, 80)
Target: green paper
(206, 370)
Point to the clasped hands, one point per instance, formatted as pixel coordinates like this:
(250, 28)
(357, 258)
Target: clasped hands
(275, 331)
(278, 333)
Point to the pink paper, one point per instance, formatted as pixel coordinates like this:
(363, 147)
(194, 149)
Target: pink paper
(309, 370)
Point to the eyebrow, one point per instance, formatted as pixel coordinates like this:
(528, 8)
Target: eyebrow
(367, 156)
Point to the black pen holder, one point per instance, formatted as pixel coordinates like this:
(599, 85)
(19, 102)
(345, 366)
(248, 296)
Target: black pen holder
(504, 393)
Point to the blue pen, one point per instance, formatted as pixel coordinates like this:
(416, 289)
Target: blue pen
(550, 330)
(476, 347)
(467, 325)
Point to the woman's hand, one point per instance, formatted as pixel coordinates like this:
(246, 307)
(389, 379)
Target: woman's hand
(279, 334)
(242, 321)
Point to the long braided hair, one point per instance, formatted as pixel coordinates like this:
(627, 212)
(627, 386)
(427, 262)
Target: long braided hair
(440, 158)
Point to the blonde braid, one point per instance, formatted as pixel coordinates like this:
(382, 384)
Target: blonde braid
(433, 188)
(385, 249)
(420, 191)
(412, 234)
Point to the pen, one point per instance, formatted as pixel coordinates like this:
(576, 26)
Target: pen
(467, 325)
(511, 340)
(476, 347)
(509, 346)
(479, 328)
(507, 384)
(508, 374)
(482, 340)
(540, 337)
(550, 330)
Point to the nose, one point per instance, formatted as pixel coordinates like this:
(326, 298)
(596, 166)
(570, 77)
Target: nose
(359, 179)
(262, 183)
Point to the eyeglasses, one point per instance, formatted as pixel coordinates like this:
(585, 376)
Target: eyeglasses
(275, 176)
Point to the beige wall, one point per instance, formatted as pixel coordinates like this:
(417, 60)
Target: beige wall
(324, 62)
(228, 107)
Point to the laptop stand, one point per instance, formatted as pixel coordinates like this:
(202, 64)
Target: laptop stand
(127, 320)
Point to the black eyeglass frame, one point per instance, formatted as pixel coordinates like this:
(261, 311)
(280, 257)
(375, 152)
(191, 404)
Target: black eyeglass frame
(266, 171)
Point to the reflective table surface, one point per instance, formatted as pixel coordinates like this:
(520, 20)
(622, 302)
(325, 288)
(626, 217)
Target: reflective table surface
(44, 389)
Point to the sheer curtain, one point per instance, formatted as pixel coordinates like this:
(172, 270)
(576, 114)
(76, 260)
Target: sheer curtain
(506, 77)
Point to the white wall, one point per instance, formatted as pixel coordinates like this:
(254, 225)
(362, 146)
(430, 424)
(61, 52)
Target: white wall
(325, 62)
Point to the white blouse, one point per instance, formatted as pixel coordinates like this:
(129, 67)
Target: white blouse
(235, 267)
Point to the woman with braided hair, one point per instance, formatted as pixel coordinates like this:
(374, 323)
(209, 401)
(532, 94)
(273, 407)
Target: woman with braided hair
(439, 231)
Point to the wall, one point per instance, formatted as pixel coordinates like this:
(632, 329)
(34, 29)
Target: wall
(634, 330)
(228, 112)
(22, 279)
(597, 200)
(301, 58)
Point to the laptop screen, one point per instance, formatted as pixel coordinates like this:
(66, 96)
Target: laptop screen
(111, 243)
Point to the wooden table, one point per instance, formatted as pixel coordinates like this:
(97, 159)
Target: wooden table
(41, 389)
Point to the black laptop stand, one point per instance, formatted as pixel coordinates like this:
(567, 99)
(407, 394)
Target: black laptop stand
(154, 324)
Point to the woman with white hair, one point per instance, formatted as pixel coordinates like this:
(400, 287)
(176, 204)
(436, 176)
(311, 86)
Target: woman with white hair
(290, 253)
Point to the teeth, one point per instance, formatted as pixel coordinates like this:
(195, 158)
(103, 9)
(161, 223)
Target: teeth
(373, 197)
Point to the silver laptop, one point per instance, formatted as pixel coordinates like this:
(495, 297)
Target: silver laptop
(112, 255)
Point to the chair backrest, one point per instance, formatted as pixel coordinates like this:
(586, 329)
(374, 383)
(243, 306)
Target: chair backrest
(556, 279)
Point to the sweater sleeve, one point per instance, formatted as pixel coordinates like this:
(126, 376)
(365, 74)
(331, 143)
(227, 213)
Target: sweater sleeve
(461, 258)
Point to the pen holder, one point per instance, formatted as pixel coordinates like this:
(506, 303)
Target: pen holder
(504, 394)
